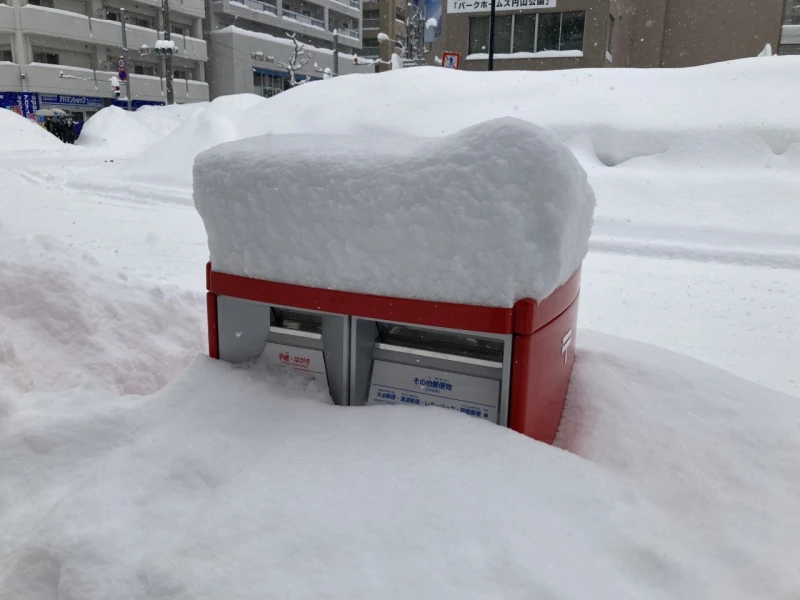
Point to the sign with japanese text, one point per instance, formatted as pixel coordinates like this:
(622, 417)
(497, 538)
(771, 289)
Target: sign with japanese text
(451, 60)
(302, 360)
(60, 100)
(473, 6)
(394, 383)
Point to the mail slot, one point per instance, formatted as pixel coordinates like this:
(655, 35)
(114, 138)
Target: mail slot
(397, 363)
(307, 342)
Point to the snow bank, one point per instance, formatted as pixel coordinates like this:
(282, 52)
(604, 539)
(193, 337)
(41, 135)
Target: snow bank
(236, 483)
(117, 131)
(498, 212)
(19, 134)
(625, 112)
(66, 322)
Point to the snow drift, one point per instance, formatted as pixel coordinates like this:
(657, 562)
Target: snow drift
(20, 134)
(498, 212)
(625, 112)
(66, 322)
(240, 483)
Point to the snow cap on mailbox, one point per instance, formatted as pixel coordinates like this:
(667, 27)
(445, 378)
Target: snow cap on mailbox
(497, 212)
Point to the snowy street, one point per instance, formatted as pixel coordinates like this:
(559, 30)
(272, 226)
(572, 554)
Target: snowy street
(133, 466)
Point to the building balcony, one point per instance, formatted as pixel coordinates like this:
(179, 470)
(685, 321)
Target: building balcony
(305, 20)
(50, 22)
(258, 5)
(371, 23)
(10, 77)
(353, 34)
(85, 82)
(7, 20)
(61, 24)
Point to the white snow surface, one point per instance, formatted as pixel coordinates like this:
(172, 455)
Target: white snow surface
(20, 134)
(674, 479)
(240, 483)
(626, 113)
(497, 212)
(116, 130)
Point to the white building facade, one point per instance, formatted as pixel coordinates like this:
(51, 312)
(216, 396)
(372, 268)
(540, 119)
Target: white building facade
(248, 41)
(63, 53)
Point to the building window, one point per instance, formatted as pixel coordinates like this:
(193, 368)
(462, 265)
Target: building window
(789, 50)
(267, 85)
(479, 35)
(791, 16)
(400, 14)
(528, 32)
(112, 15)
(46, 58)
(572, 24)
(178, 29)
(45, 3)
(143, 70)
(5, 55)
(141, 22)
(371, 47)
(182, 73)
(610, 37)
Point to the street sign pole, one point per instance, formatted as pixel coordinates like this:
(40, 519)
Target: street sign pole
(125, 56)
(491, 37)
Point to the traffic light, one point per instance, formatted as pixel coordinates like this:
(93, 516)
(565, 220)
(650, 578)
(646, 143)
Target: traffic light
(164, 48)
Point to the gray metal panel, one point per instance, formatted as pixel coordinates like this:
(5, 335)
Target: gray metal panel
(243, 328)
(363, 351)
(336, 348)
(362, 345)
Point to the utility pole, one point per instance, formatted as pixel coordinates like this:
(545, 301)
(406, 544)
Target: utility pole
(335, 52)
(125, 55)
(422, 27)
(491, 37)
(168, 57)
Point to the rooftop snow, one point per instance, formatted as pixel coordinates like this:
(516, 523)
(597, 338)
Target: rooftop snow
(495, 213)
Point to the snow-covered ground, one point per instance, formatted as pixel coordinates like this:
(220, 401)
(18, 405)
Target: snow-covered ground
(681, 479)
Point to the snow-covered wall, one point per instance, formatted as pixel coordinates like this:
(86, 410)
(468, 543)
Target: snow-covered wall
(497, 212)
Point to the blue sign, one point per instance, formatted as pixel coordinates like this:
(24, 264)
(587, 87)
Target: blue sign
(60, 100)
(135, 103)
(123, 74)
(22, 103)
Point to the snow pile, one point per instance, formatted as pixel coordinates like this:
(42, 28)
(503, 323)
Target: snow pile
(65, 322)
(498, 212)
(625, 112)
(20, 134)
(236, 483)
(117, 131)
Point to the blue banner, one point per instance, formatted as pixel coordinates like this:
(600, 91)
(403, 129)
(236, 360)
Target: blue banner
(22, 103)
(433, 10)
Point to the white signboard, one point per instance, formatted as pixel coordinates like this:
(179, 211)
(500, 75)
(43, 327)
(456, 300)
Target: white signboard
(302, 360)
(393, 383)
(472, 6)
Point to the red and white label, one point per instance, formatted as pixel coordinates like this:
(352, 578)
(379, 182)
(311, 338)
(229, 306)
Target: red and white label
(304, 360)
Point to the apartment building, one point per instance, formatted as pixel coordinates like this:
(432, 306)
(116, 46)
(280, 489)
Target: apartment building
(63, 53)
(248, 41)
(383, 16)
(560, 34)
